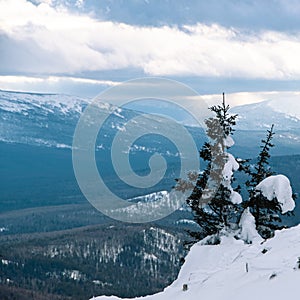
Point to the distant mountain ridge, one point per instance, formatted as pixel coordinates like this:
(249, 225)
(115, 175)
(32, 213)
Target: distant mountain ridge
(259, 116)
(36, 133)
(40, 196)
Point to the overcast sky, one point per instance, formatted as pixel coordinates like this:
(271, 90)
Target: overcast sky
(81, 47)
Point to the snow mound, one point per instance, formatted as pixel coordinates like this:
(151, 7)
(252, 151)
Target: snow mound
(279, 187)
(234, 270)
(248, 233)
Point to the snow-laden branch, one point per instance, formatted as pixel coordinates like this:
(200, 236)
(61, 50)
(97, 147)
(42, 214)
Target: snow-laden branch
(278, 187)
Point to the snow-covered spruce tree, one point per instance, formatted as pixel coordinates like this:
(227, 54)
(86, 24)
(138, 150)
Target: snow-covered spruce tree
(214, 201)
(265, 203)
(262, 168)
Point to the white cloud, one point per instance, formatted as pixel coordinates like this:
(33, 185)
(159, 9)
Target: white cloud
(75, 43)
(55, 84)
(53, 79)
(242, 98)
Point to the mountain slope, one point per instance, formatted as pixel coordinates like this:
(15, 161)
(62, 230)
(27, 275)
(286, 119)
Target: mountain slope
(92, 260)
(50, 120)
(39, 119)
(285, 115)
(255, 119)
(219, 272)
(36, 132)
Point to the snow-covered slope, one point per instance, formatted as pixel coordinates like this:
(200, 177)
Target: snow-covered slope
(254, 119)
(39, 119)
(234, 270)
(19, 102)
(283, 113)
(50, 119)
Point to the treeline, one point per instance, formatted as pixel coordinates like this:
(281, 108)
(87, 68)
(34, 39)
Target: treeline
(93, 261)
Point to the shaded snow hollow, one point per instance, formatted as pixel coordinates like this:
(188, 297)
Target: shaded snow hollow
(219, 272)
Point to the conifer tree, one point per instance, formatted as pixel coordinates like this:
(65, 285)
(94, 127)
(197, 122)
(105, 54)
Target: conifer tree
(266, 212)
(213, 201)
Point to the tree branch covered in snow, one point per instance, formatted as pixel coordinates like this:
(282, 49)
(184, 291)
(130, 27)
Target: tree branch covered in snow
(278, 188)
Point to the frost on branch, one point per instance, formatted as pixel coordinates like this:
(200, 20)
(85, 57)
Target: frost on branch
(278, 187)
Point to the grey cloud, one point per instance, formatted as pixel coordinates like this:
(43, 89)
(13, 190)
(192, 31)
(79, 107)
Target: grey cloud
(252, 14)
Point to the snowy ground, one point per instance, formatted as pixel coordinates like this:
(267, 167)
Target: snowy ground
(220, 272)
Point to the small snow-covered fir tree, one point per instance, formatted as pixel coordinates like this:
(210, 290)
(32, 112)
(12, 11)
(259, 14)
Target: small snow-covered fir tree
(214, 201)
(248, 232)
(266, 201)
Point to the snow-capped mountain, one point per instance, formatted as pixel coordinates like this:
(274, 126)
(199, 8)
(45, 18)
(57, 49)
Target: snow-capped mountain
(39, 119)
(50, 120)
(234, 270)
(255, 119)
(283, 113)
(36, 134)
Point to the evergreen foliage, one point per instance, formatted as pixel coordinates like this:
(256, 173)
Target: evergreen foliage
(267, 213)
(210, 201)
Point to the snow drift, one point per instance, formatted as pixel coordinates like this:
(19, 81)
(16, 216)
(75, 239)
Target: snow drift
(234, 270)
